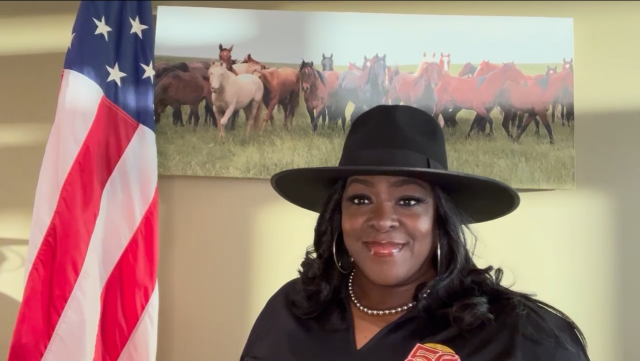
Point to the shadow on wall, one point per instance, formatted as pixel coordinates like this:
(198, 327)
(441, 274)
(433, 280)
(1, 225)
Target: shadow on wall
(8, 305)
(205, 276)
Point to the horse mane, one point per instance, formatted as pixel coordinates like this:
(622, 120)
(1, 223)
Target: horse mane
(321, 76)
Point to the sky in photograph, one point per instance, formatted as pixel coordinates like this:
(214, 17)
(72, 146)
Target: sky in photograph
(289, 36)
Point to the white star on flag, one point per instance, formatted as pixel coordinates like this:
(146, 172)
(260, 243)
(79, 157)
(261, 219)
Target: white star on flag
(148, 71)
(136, 27)
(102, 28)
(115, 74)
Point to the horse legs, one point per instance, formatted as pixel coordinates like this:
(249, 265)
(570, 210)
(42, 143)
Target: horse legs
(475, 124)
(195, 115)
(224, 117)
(509, 115)
(209, 115)
(177, 115)
(269, 114)
(449, 116)
(531, 116)
(542, 113)
(249, 112)
(554, 107)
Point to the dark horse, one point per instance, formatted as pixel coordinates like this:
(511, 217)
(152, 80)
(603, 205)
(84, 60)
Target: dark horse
(178, 88)
(364, 88)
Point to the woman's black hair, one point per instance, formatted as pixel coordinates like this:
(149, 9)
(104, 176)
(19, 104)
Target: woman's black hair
(468, 289)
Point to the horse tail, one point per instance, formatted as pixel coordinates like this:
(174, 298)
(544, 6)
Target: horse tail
(294, 96)
(266, 94)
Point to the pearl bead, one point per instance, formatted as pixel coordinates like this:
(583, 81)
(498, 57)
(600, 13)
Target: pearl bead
(375, 312)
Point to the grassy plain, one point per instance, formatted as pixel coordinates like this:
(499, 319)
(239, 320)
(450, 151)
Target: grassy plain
(533, 163)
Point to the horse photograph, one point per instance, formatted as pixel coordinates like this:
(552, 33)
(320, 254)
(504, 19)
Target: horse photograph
(222, 74)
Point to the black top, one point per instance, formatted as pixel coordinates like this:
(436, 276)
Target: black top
(279, 335)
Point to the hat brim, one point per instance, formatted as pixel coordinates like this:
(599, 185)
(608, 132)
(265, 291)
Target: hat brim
(480, 198)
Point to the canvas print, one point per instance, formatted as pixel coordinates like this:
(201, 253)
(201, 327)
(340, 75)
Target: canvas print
(247, 93)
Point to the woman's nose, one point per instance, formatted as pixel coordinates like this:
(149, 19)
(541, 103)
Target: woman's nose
(383, 217)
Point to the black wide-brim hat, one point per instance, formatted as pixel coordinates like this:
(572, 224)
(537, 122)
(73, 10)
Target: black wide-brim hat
(398, 140)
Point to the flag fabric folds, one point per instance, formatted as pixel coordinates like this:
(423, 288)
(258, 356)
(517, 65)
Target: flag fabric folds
(91, 288)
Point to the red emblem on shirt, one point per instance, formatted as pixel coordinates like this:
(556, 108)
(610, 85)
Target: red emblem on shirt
(432, 352)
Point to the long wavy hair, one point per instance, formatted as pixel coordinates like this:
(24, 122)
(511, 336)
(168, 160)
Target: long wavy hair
(466, 288)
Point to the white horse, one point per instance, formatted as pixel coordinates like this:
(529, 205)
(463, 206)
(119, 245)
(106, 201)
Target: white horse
(230, 92)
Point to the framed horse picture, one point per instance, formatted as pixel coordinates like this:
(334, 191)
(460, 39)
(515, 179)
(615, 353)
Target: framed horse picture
(246, 93)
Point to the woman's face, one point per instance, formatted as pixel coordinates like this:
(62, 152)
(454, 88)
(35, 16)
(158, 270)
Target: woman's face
(388, 227)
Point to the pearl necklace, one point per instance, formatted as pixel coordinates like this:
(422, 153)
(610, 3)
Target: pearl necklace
(375, 312)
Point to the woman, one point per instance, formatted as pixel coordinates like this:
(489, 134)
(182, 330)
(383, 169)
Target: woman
(389, 276)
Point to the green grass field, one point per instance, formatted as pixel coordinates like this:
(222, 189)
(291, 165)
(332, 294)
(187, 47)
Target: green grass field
(533, 163)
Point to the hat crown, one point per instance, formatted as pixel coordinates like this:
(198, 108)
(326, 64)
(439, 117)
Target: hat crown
(395, 136)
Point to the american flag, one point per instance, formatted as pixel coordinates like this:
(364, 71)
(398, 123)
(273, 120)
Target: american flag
(91, 289)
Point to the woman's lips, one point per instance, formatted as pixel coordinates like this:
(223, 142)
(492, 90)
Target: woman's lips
(384, 249)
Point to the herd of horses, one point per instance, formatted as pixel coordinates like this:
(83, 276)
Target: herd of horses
(228, 86)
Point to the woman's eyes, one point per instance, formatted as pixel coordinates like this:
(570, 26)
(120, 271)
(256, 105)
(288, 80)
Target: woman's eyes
(360, 199)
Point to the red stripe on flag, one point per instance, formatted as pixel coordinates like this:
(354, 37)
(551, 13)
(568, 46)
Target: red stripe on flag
(129, 287)
(64, 246)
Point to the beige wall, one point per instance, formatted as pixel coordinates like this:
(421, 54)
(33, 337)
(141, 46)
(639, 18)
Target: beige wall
(226, 245)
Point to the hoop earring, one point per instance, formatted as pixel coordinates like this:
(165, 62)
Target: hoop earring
(437, 258)
(335, 258)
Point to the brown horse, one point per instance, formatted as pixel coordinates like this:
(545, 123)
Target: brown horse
(201, 68)
(564, 100)
(416, 90)
(534, 98)
(485, 68)
(197, 68)
(281, 86)
(250, 60)
(315, 92)
(224, 56)
(513, 118)
(390, 75)
(179, 66)
(477, 94)
(467, 70)
(179, 88)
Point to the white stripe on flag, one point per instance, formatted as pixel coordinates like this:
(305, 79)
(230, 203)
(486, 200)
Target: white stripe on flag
(125, 200)
(77, 105)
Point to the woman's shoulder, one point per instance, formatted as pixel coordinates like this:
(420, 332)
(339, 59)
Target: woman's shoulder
(540, 330)
(279, 300)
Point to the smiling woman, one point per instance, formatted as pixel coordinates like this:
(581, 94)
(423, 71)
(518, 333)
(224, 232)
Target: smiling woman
(390, 276)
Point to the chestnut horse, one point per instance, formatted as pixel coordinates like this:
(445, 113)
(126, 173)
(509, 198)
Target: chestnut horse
(513, 119)
(417, 89)
(224, 56)
(231, 93)
(281, 86)
(467, 70)
(250, 60)
(314, 88)
(534, 98)
(477, 94)
(179, 88)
